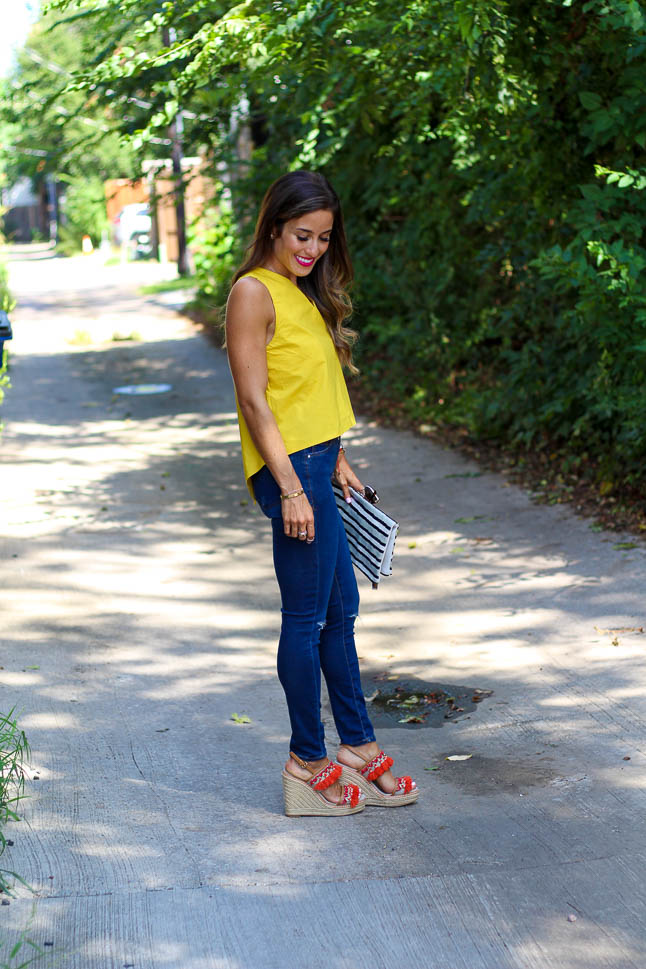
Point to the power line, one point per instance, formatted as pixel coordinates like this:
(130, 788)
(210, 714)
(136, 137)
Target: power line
(81, 117)
(127, 98)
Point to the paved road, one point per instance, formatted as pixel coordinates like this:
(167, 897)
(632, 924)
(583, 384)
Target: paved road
(140, 612)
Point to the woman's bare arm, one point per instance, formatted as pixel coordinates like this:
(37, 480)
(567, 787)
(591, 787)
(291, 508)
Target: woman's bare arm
(250, 321)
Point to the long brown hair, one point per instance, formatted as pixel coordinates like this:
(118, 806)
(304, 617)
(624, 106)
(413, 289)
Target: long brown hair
(289, 197)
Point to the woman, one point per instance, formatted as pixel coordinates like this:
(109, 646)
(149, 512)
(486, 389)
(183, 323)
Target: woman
(287, 342)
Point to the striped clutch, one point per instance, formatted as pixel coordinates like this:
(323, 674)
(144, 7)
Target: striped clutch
(371, 535)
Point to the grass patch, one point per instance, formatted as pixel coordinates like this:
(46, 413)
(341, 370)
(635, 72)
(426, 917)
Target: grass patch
(22, 952)
(168, 285)
(133, 337)
(81, 338)
(14, 751)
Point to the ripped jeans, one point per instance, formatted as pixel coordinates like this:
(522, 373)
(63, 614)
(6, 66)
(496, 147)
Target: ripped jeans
(320, 602)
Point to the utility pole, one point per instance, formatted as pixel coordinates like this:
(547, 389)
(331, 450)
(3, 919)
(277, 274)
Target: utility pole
(52, 207)
(176, 131)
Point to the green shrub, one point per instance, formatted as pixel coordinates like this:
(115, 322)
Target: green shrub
(490, 158)
(83, 213)
(491, 165)
(217, 251)
(6, 304)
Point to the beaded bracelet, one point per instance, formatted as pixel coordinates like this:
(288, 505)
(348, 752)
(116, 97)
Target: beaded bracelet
(292, 494)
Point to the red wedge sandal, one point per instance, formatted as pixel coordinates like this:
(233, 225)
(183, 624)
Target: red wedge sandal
(364, 777)
(303, 797)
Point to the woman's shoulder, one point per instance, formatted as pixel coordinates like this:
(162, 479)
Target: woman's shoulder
(250, 287)
(250, 296)
(260, 283)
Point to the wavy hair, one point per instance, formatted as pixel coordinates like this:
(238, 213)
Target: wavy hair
(289, 197)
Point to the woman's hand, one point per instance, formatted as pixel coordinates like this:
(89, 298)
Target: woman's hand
(345, 476)
(298, 518)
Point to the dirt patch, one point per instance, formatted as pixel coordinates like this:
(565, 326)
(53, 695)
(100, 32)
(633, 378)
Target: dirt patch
(486, 776)
(541, 471)
(412, 703)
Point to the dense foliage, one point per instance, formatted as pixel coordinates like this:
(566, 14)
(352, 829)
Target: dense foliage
(52, 130)
(491, 161)
(6, 304)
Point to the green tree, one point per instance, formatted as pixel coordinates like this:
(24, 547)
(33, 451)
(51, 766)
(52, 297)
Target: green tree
(52, 130)
(490, 156)
(55, 129)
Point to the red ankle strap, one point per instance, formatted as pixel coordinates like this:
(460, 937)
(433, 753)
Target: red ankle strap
(330, 773)
(322, 778)
(377, 766)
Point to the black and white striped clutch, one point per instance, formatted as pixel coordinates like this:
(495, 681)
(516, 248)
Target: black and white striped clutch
(371, 534)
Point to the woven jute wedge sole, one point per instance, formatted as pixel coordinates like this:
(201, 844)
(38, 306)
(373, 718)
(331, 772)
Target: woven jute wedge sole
(375, 797)
(301, 800)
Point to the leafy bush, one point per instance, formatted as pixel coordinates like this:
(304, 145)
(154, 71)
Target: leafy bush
(217, 251)
(83, 213)
(6, 304)
(490, 159)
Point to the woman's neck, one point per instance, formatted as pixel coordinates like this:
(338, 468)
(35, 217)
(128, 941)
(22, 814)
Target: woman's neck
(275, 266)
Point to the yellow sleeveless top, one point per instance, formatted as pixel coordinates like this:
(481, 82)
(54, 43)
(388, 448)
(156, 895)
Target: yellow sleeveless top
(306, 389)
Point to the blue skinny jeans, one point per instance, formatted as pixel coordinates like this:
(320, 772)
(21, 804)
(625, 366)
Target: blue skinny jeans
(320, 602)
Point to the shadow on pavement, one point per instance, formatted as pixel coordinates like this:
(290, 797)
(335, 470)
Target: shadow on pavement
(144, 614)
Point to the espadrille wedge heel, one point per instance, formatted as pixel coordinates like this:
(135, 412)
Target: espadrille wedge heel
(304, 798)
(364, 777)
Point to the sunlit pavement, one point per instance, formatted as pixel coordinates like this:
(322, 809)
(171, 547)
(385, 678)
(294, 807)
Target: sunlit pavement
(140, 613)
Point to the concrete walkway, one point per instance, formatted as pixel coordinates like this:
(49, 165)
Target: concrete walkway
(140, 613)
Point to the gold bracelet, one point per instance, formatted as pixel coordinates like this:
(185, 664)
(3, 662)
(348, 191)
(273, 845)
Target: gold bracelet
(292, 494)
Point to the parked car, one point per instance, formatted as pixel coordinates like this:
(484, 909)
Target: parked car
(132, 227)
